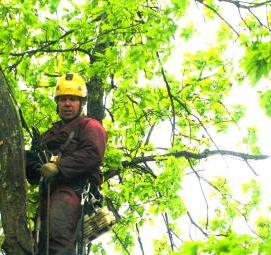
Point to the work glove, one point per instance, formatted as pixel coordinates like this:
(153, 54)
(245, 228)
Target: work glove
(50, 169)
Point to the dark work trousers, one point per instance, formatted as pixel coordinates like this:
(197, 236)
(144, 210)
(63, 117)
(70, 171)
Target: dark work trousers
(64, 214)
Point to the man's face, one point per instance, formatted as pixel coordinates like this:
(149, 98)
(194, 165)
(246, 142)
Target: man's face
(68, 107)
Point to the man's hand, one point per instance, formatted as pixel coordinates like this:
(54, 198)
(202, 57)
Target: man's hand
(49, 169)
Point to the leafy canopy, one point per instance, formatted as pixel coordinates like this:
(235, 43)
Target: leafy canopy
(132, 47)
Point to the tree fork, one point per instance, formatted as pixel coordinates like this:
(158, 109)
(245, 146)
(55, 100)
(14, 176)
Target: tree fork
(13, 196)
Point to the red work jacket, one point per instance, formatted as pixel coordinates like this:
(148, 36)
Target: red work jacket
(83, 156)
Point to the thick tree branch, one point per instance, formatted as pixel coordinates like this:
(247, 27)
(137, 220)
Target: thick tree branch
(48, 50)
(188, 154)
(49, 43)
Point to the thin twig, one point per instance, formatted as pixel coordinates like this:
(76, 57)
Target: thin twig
(165, 218)
(139, 240)
(219, 15)
(170, 96)
(122, 244)
(196, 225)
(202, 192)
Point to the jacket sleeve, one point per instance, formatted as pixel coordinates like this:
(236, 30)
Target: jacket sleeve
(89, 152)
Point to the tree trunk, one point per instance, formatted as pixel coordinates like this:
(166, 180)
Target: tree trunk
(95, 99)
(18, 240)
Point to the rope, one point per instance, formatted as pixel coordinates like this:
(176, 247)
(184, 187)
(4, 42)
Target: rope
(47, 217)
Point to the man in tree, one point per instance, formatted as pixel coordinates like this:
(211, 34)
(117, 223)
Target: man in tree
(76, 146)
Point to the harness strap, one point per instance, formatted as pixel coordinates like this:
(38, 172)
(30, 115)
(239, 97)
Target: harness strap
(64, 146)
(48, 217)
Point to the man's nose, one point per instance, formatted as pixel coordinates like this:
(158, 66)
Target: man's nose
(67, 101)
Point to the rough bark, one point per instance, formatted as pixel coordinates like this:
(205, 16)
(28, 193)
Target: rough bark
(13, 196)
(95, 99)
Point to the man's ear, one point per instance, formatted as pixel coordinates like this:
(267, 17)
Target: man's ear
(83, 106)
(83, 101)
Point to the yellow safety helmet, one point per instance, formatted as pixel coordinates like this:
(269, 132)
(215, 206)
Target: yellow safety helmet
(71, 84)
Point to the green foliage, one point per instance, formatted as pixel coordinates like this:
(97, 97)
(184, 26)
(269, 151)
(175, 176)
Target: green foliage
(128, 46)
(263, 225)
(98, 249)
(161, 247)
(124, 237)
(239, 112)
(251, 140)
(254, 190)
(256, 61)
(210, 5)
(179, 7)
(33, 204)
(187, 32)
(265, 102)
(167, 185)
(189, 248)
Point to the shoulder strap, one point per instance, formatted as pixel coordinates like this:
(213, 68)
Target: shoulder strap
(70, 137)
(71, 129)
